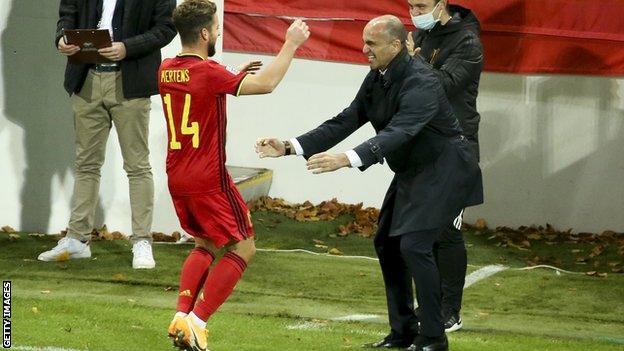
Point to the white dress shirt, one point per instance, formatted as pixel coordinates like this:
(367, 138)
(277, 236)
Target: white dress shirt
(353, 157)
(108, 11)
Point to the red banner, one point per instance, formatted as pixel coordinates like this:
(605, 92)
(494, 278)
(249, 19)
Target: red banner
(519, 36)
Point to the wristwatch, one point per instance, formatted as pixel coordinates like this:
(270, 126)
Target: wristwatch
(288, 149)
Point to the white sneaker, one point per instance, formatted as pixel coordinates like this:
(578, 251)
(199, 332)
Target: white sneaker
(66, 249)
(143, 258)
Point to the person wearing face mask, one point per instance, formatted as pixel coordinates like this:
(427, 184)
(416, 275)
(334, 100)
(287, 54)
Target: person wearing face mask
(448, 41)
(435, 175)
(193, 89)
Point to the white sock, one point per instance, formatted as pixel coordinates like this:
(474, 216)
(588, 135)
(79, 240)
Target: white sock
(180, 314)
(198, 321)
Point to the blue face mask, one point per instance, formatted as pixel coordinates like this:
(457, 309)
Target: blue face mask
(426, 21)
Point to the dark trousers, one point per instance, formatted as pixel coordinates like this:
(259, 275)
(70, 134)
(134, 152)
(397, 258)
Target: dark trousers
(452, 260)
(405, 258)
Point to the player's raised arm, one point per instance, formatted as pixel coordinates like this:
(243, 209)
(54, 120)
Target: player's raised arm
(267, 80)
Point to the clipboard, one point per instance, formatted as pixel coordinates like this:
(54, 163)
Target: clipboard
(89, 41)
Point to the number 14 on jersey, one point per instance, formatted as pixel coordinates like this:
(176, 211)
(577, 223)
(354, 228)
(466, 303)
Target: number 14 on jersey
(186, 129)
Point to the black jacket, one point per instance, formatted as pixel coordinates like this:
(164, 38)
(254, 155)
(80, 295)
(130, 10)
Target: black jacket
(456, 54)
(436, 173)
(146, 28)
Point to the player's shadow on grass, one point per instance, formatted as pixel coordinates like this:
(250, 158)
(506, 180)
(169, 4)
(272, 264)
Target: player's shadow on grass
(36, 101)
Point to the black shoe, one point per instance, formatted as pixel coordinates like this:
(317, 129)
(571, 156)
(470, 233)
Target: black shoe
(452, 322)
(392, 340)
(423, 343)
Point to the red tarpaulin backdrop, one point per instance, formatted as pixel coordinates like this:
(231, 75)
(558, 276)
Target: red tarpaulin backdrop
(520, 36)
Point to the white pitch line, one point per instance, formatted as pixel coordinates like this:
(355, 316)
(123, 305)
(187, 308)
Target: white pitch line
(483, 273)
(306, 326)
(357, 318)
(318, 254)
(472, 278)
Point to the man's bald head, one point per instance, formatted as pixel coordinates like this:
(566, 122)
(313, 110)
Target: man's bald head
(384, 38)
(390, 27)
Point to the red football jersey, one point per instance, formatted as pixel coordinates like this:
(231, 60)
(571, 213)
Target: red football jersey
(193, 92)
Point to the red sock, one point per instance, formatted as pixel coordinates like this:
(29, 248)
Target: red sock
(192, 277)
(219, 285)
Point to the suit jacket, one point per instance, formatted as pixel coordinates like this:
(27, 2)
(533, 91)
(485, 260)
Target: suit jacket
(436, 174)
(146, 28)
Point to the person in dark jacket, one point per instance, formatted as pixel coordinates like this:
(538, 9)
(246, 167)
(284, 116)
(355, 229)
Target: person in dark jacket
(436, 175)
(116, 93)
(447, 39)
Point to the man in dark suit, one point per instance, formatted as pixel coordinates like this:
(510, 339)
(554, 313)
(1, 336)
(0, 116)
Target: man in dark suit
(114, 93)
(435, 174)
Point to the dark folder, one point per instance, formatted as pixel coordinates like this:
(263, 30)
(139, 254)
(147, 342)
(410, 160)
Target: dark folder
(89, 41)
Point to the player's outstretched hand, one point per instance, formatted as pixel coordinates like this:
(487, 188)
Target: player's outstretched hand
(298, 33)
(270, 147)
(250, 67)
(326, 162)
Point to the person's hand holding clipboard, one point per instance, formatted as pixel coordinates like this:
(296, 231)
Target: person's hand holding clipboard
(88, 46)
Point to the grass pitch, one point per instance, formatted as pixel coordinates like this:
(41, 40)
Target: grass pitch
(289, 301)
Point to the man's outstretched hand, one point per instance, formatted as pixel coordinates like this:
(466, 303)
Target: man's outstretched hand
(326, 162)
(270, 147)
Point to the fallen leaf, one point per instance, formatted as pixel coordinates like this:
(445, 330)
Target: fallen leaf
(45, 291)
(335, 251)
(480, 224)
(8, 229)
(163, 238)
(63, 257)
(35, 310)
(597, 251)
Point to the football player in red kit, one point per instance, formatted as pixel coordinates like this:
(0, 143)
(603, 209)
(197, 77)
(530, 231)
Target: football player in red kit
(193, 90)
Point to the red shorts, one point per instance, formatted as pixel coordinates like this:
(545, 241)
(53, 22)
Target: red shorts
(220, 217)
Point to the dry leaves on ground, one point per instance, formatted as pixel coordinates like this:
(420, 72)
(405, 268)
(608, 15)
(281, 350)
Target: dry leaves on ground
(364, 224)
(523, 238)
